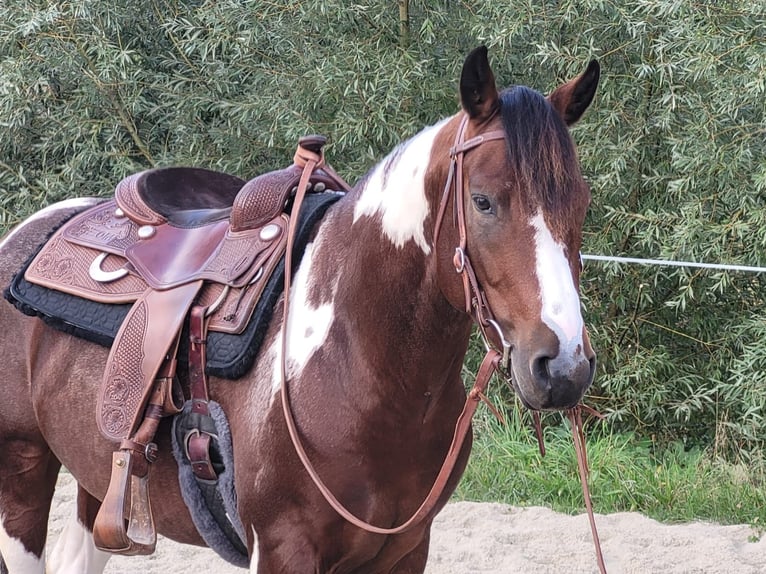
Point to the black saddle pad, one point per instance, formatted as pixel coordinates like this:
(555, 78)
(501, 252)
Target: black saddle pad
(228, 355)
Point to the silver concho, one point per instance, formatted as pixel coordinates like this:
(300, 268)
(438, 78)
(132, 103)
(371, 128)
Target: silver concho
(146, 231)
(270, 232)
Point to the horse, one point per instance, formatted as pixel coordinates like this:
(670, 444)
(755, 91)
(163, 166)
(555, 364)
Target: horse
(381, 311)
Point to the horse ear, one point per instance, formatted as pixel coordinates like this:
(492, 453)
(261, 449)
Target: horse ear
(478, 93)
(573, 98)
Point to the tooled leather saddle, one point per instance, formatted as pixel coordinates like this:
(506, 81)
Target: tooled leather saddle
(179, 245)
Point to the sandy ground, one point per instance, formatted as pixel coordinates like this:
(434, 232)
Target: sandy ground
(472, 538)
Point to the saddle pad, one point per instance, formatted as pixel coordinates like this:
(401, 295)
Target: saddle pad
(229, 355)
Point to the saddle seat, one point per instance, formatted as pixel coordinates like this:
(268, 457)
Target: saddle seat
(198, 224)
(188, 197)
(183, 196)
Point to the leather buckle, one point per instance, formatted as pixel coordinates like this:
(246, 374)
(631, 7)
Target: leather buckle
(150, 451)
(197, 449)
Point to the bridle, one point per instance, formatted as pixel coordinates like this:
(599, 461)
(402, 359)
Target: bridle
(476, 305)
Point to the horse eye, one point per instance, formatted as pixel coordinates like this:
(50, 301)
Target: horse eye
(482, 203)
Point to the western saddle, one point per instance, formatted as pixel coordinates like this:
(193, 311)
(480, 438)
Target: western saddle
(177, 243)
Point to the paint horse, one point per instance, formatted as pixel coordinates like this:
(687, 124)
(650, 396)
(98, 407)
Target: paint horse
(380, 313)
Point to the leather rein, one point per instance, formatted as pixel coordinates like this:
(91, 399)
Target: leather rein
(476, 305)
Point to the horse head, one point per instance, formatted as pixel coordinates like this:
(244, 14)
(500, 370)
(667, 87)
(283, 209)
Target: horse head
(519, 203)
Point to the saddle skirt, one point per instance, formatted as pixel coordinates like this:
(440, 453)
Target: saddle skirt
(100, 257)
(95, 310)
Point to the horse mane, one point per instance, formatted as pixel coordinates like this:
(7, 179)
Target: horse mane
(541, 152)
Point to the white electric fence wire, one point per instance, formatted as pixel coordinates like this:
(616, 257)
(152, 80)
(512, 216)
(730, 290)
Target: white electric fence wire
(662, 262)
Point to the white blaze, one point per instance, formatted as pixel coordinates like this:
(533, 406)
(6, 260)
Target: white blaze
(560, 300)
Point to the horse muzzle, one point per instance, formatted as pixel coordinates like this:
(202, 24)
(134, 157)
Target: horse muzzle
(552, 376)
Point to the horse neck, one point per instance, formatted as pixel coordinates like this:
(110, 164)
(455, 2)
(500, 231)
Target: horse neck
(381, 274)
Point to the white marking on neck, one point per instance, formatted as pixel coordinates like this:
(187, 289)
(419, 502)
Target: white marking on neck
(396, 190)
(560, 300)
(76, 203)
(16, 557)
(75, 552)
(307, 326)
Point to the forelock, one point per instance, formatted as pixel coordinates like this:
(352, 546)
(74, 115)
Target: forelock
(541, 153)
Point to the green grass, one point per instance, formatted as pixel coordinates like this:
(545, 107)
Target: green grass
(667, 483)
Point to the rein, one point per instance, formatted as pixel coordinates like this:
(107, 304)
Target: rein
(476, 306)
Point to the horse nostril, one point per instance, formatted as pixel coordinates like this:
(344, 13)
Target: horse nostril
(541, 369)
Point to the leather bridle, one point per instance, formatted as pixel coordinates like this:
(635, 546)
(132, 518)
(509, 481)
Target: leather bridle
(476, 305)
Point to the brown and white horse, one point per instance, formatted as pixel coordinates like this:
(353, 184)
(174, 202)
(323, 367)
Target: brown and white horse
(377, 333)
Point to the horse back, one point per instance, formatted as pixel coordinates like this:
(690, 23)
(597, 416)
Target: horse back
(23, 241)
(19, 332)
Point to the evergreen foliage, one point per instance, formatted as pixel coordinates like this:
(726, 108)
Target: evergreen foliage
(674, 146)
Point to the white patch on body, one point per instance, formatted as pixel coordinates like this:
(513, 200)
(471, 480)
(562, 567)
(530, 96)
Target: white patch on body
(16, 557)
(75, 552)
(560, 300)
(307, 325)
(255, 553)
(76, 203)
(396, 191)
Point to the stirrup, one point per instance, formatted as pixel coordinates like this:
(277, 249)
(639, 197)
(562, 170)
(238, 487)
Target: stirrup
(124, 523)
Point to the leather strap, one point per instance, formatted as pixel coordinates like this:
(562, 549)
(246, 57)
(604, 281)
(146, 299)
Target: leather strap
(575, 418)
(489, 364)
(138, 351)
(197, 358)
(462, 426)
(475, 301)
(198, 443)
(476, 305)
